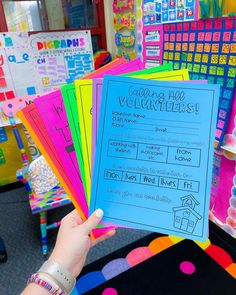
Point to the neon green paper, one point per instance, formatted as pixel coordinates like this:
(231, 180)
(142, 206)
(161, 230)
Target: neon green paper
(84, 93)
(69, 98)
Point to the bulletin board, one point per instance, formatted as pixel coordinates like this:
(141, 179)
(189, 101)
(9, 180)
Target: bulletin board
(208, 49)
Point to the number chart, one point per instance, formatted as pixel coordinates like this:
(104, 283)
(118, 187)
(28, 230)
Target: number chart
(207, 48)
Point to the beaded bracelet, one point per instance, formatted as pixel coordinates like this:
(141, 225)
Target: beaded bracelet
(43, 282)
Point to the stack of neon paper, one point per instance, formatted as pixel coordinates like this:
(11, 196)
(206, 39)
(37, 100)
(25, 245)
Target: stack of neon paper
(64, 125)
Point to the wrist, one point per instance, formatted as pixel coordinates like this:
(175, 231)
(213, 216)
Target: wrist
(63, 262)
(59, 274)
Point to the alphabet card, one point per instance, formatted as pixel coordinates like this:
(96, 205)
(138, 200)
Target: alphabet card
(61, 57)
(154, 155)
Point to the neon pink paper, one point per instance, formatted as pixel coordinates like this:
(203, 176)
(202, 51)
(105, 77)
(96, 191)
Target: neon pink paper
(53, 113)
(121, 68)
(225, 185)
(223, 192)
(229, 142)
(33, 117)
(131, 66)
(101, 71)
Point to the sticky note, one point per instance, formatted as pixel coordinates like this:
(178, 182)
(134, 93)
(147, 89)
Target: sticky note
(3, 82)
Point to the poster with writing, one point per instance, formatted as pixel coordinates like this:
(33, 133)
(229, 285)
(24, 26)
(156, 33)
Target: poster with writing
(154, 155)
(208, 49)
(169, 11)
(14, 61)
(61, 57)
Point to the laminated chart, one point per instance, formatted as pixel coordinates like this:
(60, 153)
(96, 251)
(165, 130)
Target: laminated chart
(152, 45)
(61, 57)
(15, 60)
(207, 48)
(154, 155)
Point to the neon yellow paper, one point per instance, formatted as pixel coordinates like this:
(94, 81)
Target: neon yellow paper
(84, 103)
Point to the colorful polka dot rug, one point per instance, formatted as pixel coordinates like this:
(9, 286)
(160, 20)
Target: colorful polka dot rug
(159, 264)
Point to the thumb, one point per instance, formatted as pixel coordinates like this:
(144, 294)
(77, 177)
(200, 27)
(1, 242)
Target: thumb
(93, 220)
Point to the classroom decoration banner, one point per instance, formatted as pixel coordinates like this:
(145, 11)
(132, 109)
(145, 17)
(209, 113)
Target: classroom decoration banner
(165, 11)
(124, 21)
(208, 49)
(17, 75)
(61, 57)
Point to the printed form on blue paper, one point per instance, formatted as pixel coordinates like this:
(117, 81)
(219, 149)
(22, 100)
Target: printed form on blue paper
(154, 155)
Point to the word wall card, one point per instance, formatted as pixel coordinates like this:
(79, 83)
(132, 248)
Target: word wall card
(207, 48)
(61, 57)
(152, 46)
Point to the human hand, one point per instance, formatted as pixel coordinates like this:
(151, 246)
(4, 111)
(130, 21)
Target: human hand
(73, 241)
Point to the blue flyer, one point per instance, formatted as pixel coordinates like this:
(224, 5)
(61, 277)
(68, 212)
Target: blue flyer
(154, 155)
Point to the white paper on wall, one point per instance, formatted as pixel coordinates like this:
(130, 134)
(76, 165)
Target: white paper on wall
(17, 75)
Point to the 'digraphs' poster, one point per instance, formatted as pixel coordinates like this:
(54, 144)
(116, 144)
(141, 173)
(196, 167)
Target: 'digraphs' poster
(61, 57)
